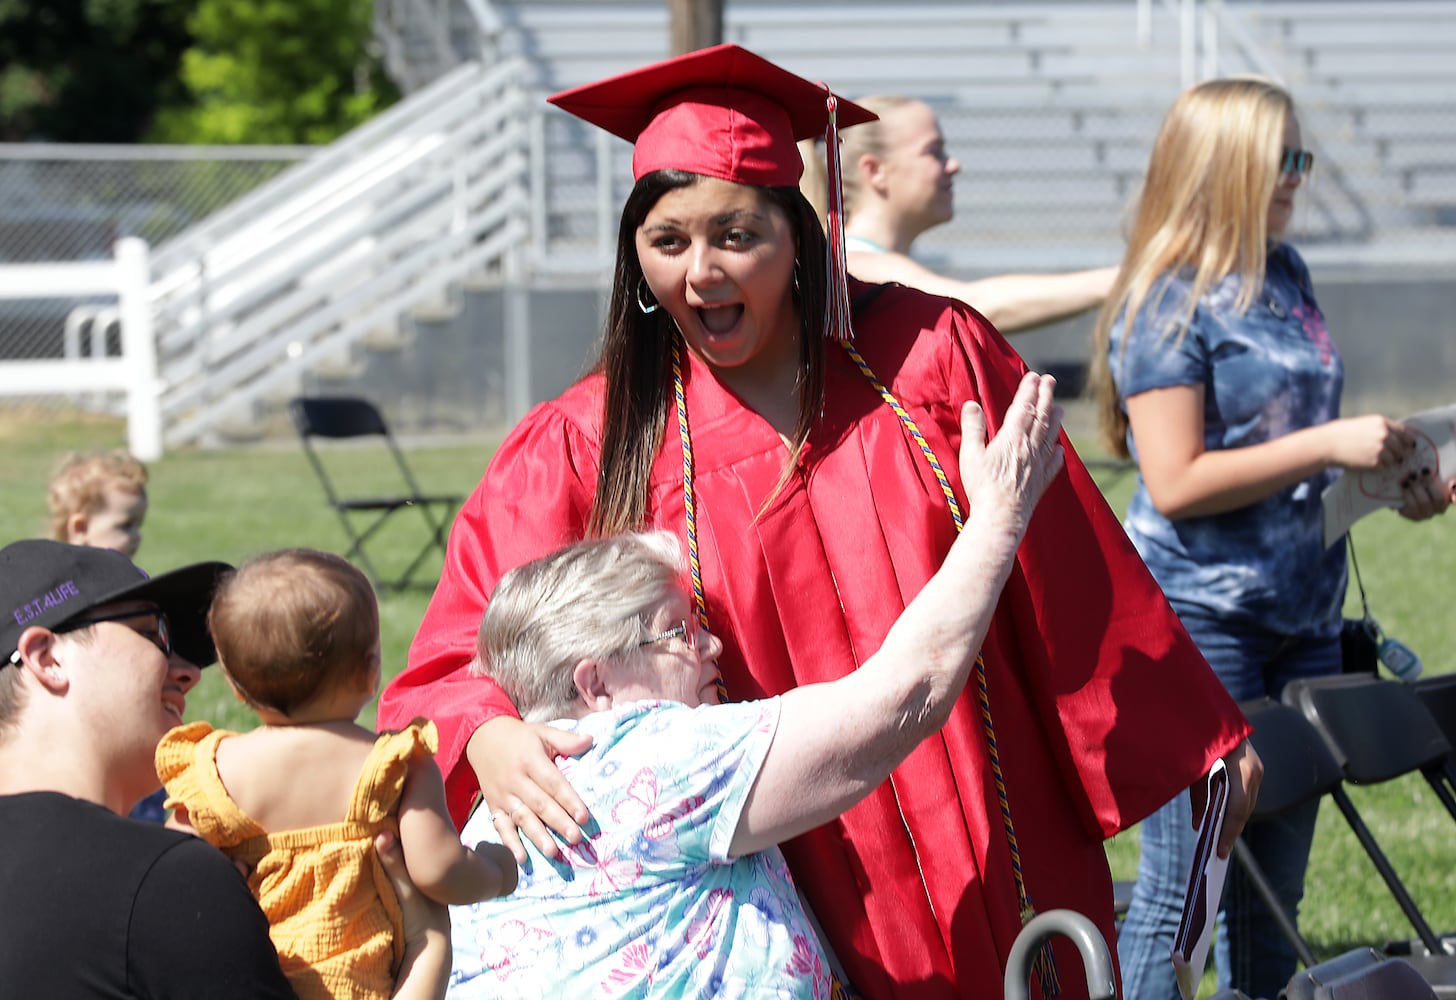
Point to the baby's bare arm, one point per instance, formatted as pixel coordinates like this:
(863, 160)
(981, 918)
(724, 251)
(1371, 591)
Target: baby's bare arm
(443, 868)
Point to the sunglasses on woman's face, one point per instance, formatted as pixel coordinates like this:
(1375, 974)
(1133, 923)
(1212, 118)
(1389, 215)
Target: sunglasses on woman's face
(1295, 161)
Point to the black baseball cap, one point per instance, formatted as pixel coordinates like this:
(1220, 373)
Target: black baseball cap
(48, 584)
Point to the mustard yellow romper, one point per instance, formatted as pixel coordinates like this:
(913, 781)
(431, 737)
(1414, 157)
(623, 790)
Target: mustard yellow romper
(331, 911)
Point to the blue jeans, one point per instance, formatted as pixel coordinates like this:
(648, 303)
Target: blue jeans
(1250, 952)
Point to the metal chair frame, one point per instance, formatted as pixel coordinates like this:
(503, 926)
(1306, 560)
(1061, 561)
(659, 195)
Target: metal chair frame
(350, 417)
(1377, 730)
(1298, 768)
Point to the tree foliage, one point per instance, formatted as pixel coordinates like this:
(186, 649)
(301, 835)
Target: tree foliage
(88, 70)
(193, 71)
(276, 71)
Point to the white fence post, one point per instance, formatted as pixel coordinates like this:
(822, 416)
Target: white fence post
(1188, 42)
(139, 351)
(1210, 39)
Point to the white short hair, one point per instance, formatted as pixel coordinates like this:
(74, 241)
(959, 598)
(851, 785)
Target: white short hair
(589, 600)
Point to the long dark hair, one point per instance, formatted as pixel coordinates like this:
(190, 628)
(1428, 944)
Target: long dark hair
(636, 356)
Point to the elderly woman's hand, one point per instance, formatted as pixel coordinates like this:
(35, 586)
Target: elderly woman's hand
(1015, 469)
(524, 790)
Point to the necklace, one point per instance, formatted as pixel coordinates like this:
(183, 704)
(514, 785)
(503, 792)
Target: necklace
(862, 244)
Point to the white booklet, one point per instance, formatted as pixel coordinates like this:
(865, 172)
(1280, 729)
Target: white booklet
(1205, 887)
(1357, 493)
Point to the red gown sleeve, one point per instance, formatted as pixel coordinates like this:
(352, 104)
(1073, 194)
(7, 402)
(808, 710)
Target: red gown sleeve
(534, 498)
(1132, 709)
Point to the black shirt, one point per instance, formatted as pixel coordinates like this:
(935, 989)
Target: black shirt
(96, 905)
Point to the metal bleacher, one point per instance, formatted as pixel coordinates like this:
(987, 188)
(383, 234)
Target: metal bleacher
(1051, 106)
(472, 192)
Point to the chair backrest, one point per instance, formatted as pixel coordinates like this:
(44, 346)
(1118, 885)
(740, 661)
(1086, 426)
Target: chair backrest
(1391, 979)
(1438, 694)
(336, 417)
(1298, 767)
(345, 417)
(1376, 729)
(1305, 982)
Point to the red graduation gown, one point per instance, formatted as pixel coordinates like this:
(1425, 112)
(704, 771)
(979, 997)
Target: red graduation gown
(1103, 708)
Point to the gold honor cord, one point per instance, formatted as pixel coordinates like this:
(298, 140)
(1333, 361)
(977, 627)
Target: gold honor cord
(1044, 965)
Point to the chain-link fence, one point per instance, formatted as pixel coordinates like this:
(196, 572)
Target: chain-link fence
(72, 203)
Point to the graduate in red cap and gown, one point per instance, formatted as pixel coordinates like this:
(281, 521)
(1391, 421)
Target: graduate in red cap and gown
(798, 432)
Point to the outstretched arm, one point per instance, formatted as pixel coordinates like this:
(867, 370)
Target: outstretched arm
(1012, 302)
(439, 865)
(835, 742)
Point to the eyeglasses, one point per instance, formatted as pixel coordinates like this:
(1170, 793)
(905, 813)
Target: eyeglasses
(688, 632)
(1295, 161)
(161, 636)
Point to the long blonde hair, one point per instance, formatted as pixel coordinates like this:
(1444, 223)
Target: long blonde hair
(1204, 206)
(853, 143)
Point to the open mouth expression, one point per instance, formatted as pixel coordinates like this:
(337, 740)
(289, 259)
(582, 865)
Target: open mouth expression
(719, 257)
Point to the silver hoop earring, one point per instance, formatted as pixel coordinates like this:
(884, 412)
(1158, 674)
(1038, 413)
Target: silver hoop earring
(796, 276)
(644, 295)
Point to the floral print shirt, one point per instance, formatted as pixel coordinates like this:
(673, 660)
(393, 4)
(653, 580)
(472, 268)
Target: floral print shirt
(650, 904)
(1265, 373)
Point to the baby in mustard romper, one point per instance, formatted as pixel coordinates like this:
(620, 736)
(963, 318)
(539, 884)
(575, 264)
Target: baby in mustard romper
(300, 799)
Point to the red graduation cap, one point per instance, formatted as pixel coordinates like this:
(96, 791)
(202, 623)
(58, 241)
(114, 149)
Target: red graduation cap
(725, 112)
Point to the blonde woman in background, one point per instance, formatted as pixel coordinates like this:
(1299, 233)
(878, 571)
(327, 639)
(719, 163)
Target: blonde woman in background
(1215, 372)
(898, 183)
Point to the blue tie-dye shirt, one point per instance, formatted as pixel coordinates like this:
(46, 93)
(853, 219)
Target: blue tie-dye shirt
(651, 905)
(1266, 373)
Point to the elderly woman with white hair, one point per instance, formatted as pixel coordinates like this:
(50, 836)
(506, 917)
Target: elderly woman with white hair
(679, 886)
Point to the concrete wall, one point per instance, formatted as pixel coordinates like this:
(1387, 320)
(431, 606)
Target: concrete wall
(1398, 338)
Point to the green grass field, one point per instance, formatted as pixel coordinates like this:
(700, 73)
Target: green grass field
(232, 503)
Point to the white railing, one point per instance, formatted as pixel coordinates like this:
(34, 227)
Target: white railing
(418, 40)
(1197, 35)
(302, 269)
(1333, 200)
(134, 372)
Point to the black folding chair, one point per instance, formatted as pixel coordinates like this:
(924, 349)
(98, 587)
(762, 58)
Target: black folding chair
(1298, 768)
(1438, 694)
(1362, 974)
(344, 417)
(1378, 730)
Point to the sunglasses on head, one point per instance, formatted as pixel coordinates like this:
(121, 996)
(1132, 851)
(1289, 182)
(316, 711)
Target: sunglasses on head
(1295, 161)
